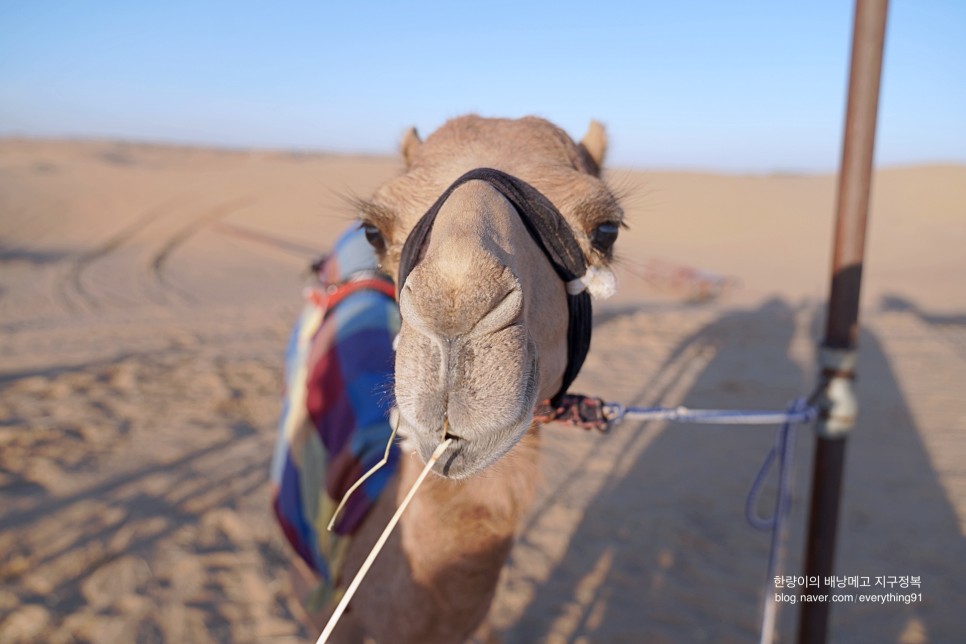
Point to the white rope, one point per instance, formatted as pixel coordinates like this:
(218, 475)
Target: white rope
(372, 470)
(711, 416)
(351, 590)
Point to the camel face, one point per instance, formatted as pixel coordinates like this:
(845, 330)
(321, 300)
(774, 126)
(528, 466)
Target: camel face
(484, 315)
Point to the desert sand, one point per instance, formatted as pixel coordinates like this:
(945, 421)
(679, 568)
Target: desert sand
(146, 293)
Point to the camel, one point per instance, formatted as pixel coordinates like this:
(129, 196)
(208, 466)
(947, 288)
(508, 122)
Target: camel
(483, 341)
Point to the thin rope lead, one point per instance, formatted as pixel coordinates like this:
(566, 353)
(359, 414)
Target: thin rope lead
(351, 590)
(784, 451)
(615, 412)
(372, 470)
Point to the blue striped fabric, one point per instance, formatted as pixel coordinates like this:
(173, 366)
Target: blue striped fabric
(334, 422)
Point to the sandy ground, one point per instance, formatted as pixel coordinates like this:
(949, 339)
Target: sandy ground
(145, 298)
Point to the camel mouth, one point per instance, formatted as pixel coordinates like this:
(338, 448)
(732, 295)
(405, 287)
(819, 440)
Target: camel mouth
(465, 458)
(474, 449)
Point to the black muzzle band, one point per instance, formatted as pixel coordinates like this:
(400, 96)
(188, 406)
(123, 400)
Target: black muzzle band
(552, 234)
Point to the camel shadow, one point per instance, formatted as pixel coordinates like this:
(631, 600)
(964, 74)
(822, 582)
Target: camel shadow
(951, 327)
(663, 553)
(898, 303)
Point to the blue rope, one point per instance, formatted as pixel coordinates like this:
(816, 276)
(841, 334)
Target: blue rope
(784, 450)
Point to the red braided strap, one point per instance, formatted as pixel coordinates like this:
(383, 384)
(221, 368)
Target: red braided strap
(586, 412)
(327, 298)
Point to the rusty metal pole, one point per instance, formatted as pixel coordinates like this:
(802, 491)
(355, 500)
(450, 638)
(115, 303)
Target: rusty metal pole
(841, 331)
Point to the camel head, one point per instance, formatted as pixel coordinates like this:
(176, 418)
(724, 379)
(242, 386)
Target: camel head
(484, 327)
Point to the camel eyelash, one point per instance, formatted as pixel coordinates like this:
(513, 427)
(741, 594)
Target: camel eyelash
(375, 215)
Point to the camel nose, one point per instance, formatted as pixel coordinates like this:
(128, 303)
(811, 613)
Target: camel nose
(448, 300)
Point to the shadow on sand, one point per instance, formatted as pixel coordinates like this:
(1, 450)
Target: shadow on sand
(663, 553)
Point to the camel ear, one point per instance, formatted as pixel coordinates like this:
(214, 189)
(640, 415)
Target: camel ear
(594, 143)
(410, 144)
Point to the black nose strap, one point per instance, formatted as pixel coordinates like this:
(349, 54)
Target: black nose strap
(551, 233)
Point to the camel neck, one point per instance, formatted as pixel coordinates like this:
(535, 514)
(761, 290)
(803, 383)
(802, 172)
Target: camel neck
(475, 518)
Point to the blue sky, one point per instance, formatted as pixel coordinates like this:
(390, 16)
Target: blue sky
(730, 85)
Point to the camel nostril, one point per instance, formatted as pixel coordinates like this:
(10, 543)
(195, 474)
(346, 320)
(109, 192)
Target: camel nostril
(505, 313)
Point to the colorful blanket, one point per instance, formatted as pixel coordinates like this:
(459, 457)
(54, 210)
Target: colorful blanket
(334, 424)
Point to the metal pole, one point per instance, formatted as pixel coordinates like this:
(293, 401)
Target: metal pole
(841, 331)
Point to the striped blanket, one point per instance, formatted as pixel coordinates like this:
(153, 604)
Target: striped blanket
(334, 423)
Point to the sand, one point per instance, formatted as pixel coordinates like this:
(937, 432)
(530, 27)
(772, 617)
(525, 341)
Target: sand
(145, 298)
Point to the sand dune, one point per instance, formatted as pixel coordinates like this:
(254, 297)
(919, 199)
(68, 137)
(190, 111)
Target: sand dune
(145, 297)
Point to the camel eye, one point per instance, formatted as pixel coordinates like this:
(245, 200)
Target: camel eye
(374, 237)
(603, 236)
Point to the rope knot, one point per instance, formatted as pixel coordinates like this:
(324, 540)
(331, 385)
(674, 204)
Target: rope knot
(586, 412)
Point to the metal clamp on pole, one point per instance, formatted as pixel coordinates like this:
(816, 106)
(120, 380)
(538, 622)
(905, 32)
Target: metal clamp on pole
(838, 406)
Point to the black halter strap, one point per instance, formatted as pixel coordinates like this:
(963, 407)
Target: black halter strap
(551, 233)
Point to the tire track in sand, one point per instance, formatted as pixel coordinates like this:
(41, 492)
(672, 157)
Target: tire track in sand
(160, 259)
(149, 281)
(76, 296)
